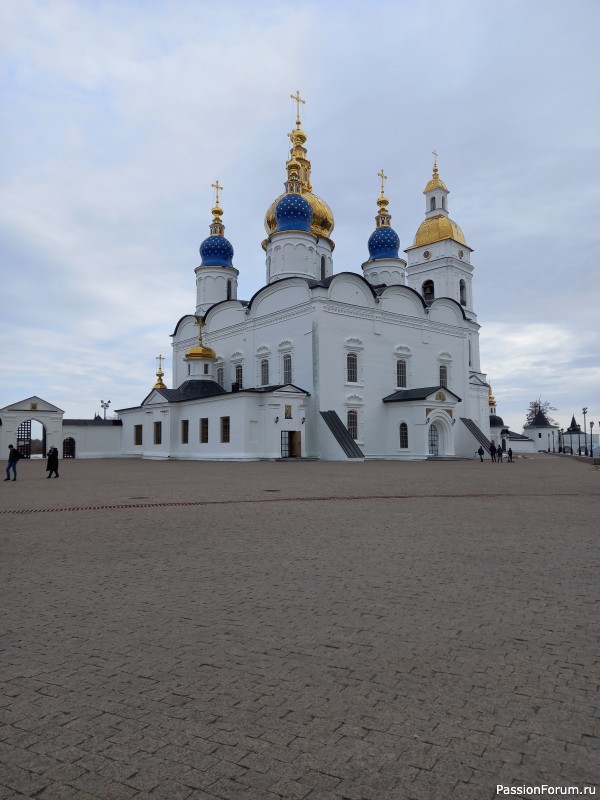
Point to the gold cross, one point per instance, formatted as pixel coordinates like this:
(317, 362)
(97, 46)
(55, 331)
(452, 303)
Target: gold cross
(383, 178)
(218, 188)
(435, 155)
(298, 100)
(160, 359)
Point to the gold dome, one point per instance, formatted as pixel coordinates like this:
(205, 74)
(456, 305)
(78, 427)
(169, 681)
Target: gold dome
(435, 182)
(322, 221)
(199, 351)
(491, 398)
(437, 228)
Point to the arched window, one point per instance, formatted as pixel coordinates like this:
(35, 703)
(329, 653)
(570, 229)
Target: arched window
(220, 376)
(428, 291)
(264, 371)
(229, 289)
(403, 435)
(323, 268)
(401, 373)
(287, 368)
(443, 375)
(353, 423)
(444, 203)
(352, 367)
(463, 293)
(239, 375)
(432, 204)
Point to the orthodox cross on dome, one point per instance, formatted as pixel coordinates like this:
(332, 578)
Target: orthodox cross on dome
(199, 324)
(435, 155)
(159, 373)
(384, 178)
(297, 99)
(218, 188)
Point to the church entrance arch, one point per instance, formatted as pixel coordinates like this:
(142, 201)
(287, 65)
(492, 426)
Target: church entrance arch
(25, 444)
(69, 447)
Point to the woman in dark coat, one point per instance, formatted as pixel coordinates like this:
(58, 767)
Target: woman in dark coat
(52, 464)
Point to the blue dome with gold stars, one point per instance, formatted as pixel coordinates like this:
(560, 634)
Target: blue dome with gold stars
(383, 243)
(216, 251)
(293, 213)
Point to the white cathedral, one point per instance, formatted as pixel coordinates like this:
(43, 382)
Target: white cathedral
(381, 363)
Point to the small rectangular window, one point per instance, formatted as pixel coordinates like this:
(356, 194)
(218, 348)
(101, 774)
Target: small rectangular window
(204, 430)
(137, 434)
(288, 412)
(158, 433)
(225, 432)
(185, 431)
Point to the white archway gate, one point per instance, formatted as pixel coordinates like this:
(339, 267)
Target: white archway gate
(31, 409)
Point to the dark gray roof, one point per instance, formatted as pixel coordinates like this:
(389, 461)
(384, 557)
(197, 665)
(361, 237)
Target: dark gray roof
(518, 437)
(275, 388)
(404, 395)
(191, 390)
(96, 421)
(495, 421)
(540, 421)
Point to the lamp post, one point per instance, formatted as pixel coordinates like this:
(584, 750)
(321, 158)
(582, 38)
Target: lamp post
(591, 439)
(560, 440)
(579, 440)
(553, 447)
(105, 404)
(584, 412)
(548, 441)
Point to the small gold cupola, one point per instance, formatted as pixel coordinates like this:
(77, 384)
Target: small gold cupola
(199, 350)
(159, 374)
(491, 398)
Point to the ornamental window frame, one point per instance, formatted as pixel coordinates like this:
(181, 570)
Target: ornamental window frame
(353, 347)
(352, 422)
(444, 370)
(403, 353)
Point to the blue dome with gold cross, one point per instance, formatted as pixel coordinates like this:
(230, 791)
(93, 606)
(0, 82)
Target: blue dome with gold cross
(216, 250)
(384, 242)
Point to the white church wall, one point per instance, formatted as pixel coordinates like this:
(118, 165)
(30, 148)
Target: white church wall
(401, 300)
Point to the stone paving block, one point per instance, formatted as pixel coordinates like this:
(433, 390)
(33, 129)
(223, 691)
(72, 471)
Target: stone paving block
(316, 646)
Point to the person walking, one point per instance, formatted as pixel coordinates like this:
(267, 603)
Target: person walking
(13, 457)
(499, 454)
(493, 451)
(52, 463)
(481, 453)
(510, 454)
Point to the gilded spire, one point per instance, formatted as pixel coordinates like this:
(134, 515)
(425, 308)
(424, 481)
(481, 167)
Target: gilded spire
(436, 182)
(159, 374)
(298, 151)
(383, 218)
(491, 398)
(216, 227)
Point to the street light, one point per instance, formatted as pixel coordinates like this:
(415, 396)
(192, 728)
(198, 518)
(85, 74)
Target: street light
(584, 412)
(105, 404)
(579, 440)
(548, 442)
(591, 439)
(560, 440)
(553, 447)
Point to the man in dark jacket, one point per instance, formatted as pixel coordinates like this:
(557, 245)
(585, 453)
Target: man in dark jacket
(13, 457)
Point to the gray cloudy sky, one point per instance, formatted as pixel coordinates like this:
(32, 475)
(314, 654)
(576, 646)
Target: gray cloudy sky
(117, 116)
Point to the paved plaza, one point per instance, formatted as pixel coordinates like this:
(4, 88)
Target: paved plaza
(301, 630)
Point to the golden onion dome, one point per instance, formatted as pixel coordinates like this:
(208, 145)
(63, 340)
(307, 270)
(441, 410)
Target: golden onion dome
(200, 351)
(437, 228)
(322, 220)
(491, 398)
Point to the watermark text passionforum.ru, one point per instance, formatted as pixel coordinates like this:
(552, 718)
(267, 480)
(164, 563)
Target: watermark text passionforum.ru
(546, 789)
